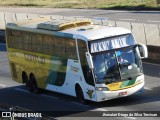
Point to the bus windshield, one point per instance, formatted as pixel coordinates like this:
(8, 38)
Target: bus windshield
(117, 65)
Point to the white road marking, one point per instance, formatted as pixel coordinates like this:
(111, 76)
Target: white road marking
(152, 21)
(147, 88)
(128, 19)
(22, 90)
(1, 85)
(52, 97)
(79, 104)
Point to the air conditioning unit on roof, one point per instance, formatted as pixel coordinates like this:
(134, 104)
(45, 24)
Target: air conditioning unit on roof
(62, 24)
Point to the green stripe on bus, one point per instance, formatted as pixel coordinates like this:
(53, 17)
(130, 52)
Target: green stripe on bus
(127, 83)
(57, 71)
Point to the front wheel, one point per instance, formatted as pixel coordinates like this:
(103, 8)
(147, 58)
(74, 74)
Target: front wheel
(80, 95)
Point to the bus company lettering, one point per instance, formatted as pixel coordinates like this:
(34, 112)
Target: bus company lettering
(34, 58)
(13, 54)
(75, 69)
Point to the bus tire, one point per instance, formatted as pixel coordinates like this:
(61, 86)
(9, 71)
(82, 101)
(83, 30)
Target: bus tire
(80, 95)
(33, 84)
(26, 81)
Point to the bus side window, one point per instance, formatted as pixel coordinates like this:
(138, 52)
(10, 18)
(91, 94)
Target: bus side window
(18, 39)
(10, 38)
(47, 44)
(85, 68)
(27, 41)
(71, 49)
(14, 39)
(37, 43)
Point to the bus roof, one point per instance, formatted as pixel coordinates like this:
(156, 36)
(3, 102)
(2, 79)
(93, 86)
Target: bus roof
(85, 32)
(93, 32)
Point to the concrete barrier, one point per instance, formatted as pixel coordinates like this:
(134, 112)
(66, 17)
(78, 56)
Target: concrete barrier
(126, 25)
(32, 16)
(10, 17)
(139, 33)
(21, 16)
(112, 23)
(43, 16)
(2, 21)
(152, 34)
(57, 17)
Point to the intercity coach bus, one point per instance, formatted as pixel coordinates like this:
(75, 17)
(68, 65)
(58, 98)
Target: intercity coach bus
(75, 57)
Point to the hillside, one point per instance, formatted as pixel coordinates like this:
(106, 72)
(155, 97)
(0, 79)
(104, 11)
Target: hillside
(103, 4)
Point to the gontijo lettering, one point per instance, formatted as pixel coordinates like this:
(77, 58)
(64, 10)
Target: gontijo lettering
(34, 58)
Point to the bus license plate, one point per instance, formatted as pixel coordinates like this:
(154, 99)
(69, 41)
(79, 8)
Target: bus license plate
(122, 93)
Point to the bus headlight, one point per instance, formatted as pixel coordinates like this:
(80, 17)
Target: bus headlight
(102, 89)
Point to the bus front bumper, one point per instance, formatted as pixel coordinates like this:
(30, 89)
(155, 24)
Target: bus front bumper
(107, 95)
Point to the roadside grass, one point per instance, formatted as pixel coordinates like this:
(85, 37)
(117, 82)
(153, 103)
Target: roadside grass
(102, 4)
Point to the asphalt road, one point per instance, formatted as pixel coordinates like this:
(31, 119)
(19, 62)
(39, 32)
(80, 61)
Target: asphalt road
(151, 17)
(16, 94)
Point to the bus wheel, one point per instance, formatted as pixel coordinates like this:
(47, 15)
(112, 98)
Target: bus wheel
(24, 77)
(80, 95)
(33, 84)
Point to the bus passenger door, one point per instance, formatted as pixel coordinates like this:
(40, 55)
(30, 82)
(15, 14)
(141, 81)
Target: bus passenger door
(72, 76)
(88, 81)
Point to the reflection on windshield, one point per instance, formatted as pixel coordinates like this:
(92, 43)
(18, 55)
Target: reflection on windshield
(116, 65)
(129, 63)
(105, 66)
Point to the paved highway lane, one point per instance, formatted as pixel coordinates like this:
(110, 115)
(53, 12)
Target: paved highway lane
(16, 94)
(117, 15)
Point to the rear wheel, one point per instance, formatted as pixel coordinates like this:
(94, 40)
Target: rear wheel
(80, 95)
(33, 84)
(26, 81)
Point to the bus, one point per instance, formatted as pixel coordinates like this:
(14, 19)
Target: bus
(76, 58)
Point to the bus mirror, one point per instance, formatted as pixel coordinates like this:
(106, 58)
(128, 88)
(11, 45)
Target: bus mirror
(89, 60)
(143, 50)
